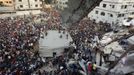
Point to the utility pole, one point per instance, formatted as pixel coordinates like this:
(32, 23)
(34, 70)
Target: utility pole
(29, 5)
(43, 4)
(14, 3)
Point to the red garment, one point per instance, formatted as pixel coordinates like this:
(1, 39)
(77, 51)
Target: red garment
(18, 72)
(89, 67)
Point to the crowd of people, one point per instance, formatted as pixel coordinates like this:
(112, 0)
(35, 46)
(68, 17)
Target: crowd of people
(19, 36)
(18, 40)
(84, 37)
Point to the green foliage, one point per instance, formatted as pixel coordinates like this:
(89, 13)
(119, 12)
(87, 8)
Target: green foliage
(48, 1)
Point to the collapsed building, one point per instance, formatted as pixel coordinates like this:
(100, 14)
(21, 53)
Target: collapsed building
(118, 52)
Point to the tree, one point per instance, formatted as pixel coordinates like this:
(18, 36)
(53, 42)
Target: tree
(77, 10)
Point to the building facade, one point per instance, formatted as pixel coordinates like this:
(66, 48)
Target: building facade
(112, 11)
(6, 2)
(28, 4)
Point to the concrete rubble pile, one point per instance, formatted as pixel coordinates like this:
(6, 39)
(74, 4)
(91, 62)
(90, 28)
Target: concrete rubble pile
(114, 44)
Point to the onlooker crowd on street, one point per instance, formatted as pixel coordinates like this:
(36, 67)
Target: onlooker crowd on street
(19, 37)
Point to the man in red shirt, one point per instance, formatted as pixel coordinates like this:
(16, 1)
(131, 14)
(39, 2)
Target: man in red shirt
(89, 67)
